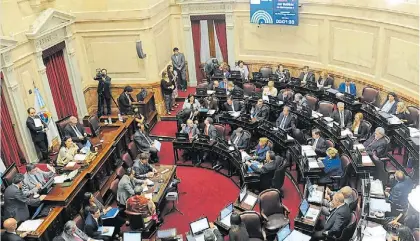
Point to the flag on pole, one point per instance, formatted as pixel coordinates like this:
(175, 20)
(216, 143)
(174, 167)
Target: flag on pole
(43, 113)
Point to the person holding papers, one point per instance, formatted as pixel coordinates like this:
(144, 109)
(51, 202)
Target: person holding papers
(390, 105)
(376, 145)
(338, 219)
(139, 203)
(67, 151)
(93, 223)
(285, 121)
(106, 212)
(38, 129)
(240, 139)
(142, 168)
(34, 178)
(357, 128)
(145, 144)
(72, 233)
(259, 111)
(318, 143)
(10, 225)
(237, 231)
(332, 165)
(126, 186)
(76, 131)
(342, 116)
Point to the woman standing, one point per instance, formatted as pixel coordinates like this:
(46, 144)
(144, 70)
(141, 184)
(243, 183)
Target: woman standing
(172, 75)
(167, 89)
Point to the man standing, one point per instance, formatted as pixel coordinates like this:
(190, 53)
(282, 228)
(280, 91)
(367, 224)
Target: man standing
(342, 116)
(10, 225)
(104, 92)
(76, 131)
(38, 133)
(178, 61)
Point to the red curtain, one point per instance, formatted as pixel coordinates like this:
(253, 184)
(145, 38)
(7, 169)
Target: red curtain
(220, 27)
(196, 34)
(60, 85)
(10, 149)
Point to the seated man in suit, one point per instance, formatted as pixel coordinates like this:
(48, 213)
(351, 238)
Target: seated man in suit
(285, 121)
(338, 219)
(341, 116)
(398, 195)
(326, 202)
(300, 101)
(286, 96)
(145, 144)
(377, 144)
(306, 75)
(233, 105)
(209, 129)
(126, 186)
(213, 85)
(269, 164)
(76, 131)
(324, 80)
(259, 111)
(347, 87)
(125, 101)
(190, 128)
(34, 179)
(319, 144)
(142, 168)
(240, 139)
(16, 202)
(234, 88)
(93, 222)
(10, 225)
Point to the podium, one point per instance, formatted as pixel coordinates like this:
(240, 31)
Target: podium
(148, 109)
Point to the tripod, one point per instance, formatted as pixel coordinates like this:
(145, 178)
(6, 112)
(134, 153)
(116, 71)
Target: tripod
(173, 196)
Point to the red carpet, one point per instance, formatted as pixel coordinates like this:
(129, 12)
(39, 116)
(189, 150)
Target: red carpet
(164, 128)
(190, 90)
(174, 112)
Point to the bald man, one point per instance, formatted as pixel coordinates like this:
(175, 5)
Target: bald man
(398, 194)
(338, 219)
(76, 131)
(10, 225)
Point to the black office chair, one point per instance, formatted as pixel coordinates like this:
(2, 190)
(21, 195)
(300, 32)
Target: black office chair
(273, 211)
(266, 180)
(254, 225)
(137, 224)
(279, 175)
(266, 71)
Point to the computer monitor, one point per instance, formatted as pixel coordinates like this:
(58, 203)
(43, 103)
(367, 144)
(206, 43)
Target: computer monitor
(235, 74)
(349, 97)
(226, 211)
(336, 130)
(132, 236)
(181, 136)
(304, 206)
(47, 187)
(202, 137)
(348, 142)
(242, 193)
(199, 226)
(256, 75)
(220, 91)
(283, 233)
(201, 91)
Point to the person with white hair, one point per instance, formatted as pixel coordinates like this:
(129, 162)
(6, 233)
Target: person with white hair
(377, 143)
(212, 234)
(342, 116)
(72, 233)
(76, 131)
(300, 101)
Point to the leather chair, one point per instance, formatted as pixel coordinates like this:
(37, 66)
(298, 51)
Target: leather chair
(8, 175)
(98, 196)
(341, 181)
(266, 71)
(413, 117)
(272, 210)
(127, 160)
(369, 127)
(221, 130)
(416, 234)
(369, 95)
(348, 231)
(266, 180)
(325, 108)
(61, 124)
(249, 88)
(203, 85)
(312, 101)
(132, 149)
(137, 224)
(253, 224)
(330, 143)
(80, 223)
(120, 171)
(114, 187)
(353, 205)
(279, 175)
(94, 125)
(249, 140)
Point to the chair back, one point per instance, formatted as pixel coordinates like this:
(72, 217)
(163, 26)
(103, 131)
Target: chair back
(98, 196)
(345, 165)
(114, 186)
(266, 180)
(348, 231)
(353, 204)
(270, 144)
(136, 220)
(312, 101)
(253, 224)
(413, 117)
(369, 95)
(120, 171)
(94, 125)
(132, 149)
(249, 137)
(325, 108)
(220, 131)
(61, 124)
(279, 174)
(203, 85)
(299, 136)
(266, 71)
(8, 175)
(330, 143)
(127, 160)
(80, 223)
(416, 234)
(380, 171)
(249, 88)
(368, 127)
(270, 202)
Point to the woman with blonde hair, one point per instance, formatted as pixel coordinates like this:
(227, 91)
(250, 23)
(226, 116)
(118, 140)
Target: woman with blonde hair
(261, 149)
(402, 112)
(270, 89)
(324, 80)
(332, 165)
(358, 129)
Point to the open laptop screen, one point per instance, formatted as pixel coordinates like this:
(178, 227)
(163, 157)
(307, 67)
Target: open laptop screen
(132, 236)
(242, 194)
(199, 226)
(304, 206)
(283, 233)
(226, 211)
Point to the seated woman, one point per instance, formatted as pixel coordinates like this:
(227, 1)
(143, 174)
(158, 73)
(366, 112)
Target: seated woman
(191, 103)
(270, 90)
(90, 201)
(402, 113)
(261, 150)
(390, 105)
(140, 204)
(67, 151)
(237, 230)
(359, 130)
(243, 69)
(332, 165)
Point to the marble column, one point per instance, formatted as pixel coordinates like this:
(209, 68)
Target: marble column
(189, 52)
(74, 75)
(230, 35)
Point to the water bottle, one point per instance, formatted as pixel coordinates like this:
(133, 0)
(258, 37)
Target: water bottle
(109, 120)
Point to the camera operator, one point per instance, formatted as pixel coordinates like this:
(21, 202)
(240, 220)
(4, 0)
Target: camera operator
(104, 91)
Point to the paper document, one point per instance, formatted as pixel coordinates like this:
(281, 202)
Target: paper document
(376, 187)
(280, 102)
(328, 119)
(110, 230)
(145, 189)
(38, 122)
(234, 113)
(210, 92)
(79, 157)
(30, 225)
(275, 129)
(211, 112)
(312, 213)
(157, 144)
(394, 120)
(289, 138)
(339, 95)
(366, 160)
(149, 182)
(309, 152)
(245, 156)
(359, 146)
(379, 205)
(414, 132)
(250, 200)
(265, 98)
(313, 165)
(297, 236)
(346, 132)
(71, 164)
(231, 148)
(111, 213)
(149, 196)
(374, 233)
(60, 179)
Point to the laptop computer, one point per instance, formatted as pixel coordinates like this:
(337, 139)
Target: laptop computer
(304, 206)
(198, 227)
(242, 193)
(131, 236)
(283, 233)
(307, 212)
(225, 214)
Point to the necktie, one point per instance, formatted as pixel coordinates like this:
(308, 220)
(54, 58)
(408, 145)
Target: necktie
(348, 89)
(235, 142)
(314, 145)
(206, 131)
(37, 179)
(283, 122)
(341, 119)
(233, 107)
(190, 133)
(304, 77)
(147, 139)
(77, 131)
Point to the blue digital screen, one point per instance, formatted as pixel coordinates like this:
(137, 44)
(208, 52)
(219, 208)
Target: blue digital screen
(283, 12)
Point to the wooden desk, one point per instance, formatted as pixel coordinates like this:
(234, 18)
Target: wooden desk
(163, 179)
(305, 225)
(49, 221)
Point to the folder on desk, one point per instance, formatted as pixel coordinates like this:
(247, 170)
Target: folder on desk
(111, 214)
(110, 230)
(366, 160)
(157, 144)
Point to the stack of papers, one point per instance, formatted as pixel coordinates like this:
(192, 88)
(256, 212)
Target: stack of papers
(346, 132)
(414, 132)
(374, 233)
(149, 196)
(60, 179)
(379, 205)
(394, 120)
(245, 156)
(313, 165)
(30, 225)
(376, 187)
(110, 230)
(71, 164)
(234, 113)
(297, 236)
(359, 146)
(210, 92)
(211, 112)
(79, 157)
(149, 182)
(157, 144)
(328, 119)
(308, 151)
(250, 200)
(366, 160)
(316, 114)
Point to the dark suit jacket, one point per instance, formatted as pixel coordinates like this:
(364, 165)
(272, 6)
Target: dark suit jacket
(212, 132)
(194, 130)
(377, 148)
(91, 227)
(104, 87)
(36, 132)
(309, 78)
(321, 146)
(399, 192)
(124, 103)
(267, 167)
(16, 203)
(338, 219)
(237, 104)
(287, 99)
(237, 89)
(393, 108)
(363, 131)
(289, 122)
(11, 237)
(262, 114)
(328, 82)
(143, 141)
(243, 141)
(70, 132)
(404, 116)
(347, 118)
(141, 169)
